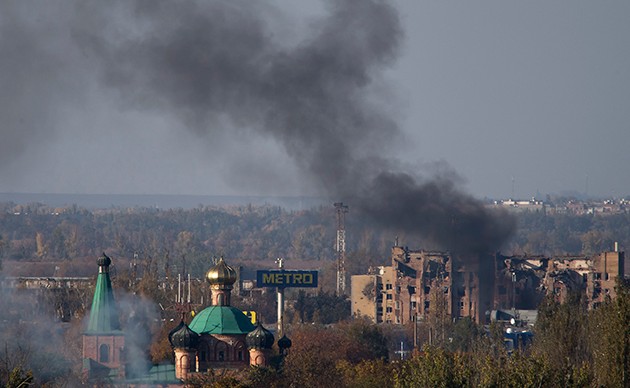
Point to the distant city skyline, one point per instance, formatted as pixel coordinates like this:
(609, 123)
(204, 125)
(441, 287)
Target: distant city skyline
(516, 99)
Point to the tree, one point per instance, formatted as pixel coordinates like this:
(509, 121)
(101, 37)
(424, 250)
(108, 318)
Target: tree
(314, 355)
(433, 368)
(41, 245)
(439, 316)
(58, 244)
(367, 341)
(321, 308)
(464, 332)
(19, 378)
(610, 339)
(216, 379)
(561, 337)
(366, 374)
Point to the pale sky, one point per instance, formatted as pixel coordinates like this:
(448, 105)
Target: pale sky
(517, 97)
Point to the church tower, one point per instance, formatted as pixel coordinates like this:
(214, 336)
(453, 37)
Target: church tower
(184, 342)
(222, 328)
(260, 342)
(103, 340)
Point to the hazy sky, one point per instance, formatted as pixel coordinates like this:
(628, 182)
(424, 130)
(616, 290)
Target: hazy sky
(517, 97)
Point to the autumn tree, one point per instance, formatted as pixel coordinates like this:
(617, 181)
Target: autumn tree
(434, 367)
(19, 378)
(439, 315)
(322, 308)
(366, 374)
(314, 355)
(561, 337)
(325, 355)
(610, 339)
(41, 245)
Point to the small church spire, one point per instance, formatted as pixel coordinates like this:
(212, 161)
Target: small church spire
(104, 314)
(221, 278)
(103, 340)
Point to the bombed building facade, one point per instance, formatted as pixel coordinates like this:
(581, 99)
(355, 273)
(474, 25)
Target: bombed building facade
(522, 281)
(419, 283)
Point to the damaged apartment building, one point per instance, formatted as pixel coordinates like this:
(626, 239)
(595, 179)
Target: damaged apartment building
(522, 281)
(420, 283)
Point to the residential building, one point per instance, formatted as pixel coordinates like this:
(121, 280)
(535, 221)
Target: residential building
(420, 284)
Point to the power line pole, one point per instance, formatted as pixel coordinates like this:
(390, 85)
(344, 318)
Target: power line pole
(340, 247)
(280, 262)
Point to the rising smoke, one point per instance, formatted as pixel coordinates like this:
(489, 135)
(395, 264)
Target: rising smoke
(222, 66)
(35, 76)
(209, 61)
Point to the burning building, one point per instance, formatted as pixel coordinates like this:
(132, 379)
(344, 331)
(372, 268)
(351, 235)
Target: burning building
(522, 281)
(420, 283)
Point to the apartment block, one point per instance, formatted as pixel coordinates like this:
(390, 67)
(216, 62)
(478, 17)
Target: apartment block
(419, 283)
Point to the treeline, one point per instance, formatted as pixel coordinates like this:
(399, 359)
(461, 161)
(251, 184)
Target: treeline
(168, 237)
(556, 234)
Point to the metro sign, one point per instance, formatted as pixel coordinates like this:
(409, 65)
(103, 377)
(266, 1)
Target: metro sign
(283, 278)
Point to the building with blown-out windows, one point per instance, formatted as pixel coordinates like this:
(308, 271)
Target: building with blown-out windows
(420, 283)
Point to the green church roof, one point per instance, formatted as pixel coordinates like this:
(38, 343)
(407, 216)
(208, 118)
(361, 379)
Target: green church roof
(221, 320)
(104, 314)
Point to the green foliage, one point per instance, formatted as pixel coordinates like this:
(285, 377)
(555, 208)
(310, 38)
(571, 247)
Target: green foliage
(18, 378)
(323, 308)
(433, 368)
(369, 341)
(261, 232)
(261, 377)
(610, 339)
(216, 379)
(366, 374)
(551, 234)
(313, 357)
(463, 333)
(561, 332)
(325, 355)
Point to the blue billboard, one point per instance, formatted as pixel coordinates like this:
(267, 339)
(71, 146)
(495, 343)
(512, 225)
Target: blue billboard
(286, 278)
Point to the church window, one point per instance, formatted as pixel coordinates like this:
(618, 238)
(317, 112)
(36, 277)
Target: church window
(221, 355)
(202, 356)
(103, 353)
(240, 355)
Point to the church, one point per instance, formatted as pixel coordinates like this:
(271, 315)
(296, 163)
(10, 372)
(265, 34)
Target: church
(219, 337)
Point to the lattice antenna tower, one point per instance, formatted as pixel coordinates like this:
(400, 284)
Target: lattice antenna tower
(340, 247)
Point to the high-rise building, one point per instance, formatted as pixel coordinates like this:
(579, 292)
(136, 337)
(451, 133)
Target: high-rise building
(420, 284)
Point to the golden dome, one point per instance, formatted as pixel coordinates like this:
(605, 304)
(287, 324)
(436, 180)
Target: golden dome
(221, 274)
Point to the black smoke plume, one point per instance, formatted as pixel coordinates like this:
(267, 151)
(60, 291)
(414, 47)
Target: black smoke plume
(215, 62)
